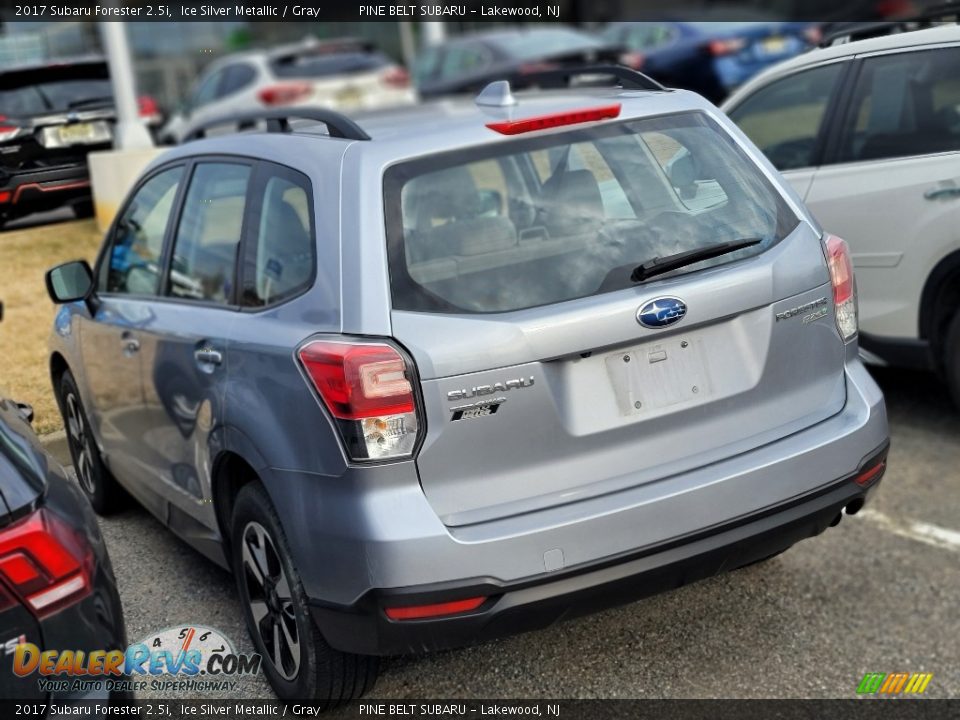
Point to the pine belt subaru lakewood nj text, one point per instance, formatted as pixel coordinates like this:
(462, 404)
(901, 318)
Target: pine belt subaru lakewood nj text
(449, 372)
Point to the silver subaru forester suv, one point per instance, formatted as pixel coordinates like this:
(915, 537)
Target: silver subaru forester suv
(445, 373)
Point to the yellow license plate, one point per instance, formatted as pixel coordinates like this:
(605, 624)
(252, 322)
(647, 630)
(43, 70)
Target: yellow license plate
(350, 96)
(775, 44)
(77, 133)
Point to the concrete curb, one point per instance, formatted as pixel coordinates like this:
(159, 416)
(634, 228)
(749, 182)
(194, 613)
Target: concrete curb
(55, 443)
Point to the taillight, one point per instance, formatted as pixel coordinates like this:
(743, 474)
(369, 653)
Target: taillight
(7, 131)
(844, 285)
(813, 34)
(396, 77)
(536, 67)
(632, 59)
(543, 122)
(5, 196)
(148, 107)
(284, 93)
(727, 46)
(45, 563)
(367, 388)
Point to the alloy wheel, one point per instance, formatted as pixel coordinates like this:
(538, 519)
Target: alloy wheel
(80, 440)
(270, 600)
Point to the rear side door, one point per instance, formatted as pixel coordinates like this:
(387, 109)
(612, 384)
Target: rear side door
(128, 282)
(237, 90)
(891, 185)
(203, 104)
(789, 118)
(184, 343)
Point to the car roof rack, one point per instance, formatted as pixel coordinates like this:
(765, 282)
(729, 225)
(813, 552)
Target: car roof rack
(846, 32)
(278, 121)
(563, 77)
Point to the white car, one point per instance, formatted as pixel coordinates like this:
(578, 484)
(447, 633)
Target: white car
(868, 133)
(346, 75)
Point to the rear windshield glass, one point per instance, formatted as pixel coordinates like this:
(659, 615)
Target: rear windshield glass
(543, 220)
(312, 65)
(55, 90)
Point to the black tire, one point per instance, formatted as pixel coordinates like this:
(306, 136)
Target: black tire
(95, 480)
(951, 359)
(314, 671)
(83, 209)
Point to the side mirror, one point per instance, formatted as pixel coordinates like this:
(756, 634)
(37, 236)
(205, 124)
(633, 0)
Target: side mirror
(70, 282)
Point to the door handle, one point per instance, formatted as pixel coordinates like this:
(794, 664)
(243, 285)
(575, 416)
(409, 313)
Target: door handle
(208, 356)
(943, 192)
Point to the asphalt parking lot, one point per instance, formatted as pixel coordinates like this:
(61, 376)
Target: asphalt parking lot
(876, 594)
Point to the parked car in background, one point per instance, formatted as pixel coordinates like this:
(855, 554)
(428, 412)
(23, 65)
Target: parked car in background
(51, 116)
(868, 133)
(339, 74)
(710, 58)
(936, 14)
(459, 370)
(57, 588)
(467, 63)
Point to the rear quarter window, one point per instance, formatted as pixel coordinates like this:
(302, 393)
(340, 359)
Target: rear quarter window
(541, 220)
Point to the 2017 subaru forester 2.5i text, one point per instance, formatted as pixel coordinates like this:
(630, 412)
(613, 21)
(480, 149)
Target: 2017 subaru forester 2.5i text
(454, 371)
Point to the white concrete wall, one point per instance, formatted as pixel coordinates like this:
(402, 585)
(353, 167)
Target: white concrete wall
(112, 174)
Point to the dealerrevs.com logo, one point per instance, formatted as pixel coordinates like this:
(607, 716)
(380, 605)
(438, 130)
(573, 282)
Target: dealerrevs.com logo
(191, 657)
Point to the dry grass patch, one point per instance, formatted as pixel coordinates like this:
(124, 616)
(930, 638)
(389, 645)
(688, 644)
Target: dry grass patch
(25, 255)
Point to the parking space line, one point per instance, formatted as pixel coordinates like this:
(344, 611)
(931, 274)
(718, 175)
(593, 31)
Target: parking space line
(915, 530)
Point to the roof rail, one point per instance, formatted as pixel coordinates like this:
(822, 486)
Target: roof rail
(845, 32)
(562, 77)
(278, 121)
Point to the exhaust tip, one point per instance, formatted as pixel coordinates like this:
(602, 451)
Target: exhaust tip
(837, 519)
(854, 506)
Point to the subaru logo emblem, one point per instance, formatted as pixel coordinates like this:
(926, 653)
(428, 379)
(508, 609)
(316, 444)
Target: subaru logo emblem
(662, 312)
(73, 117)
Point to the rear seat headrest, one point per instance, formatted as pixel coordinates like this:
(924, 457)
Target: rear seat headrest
(471, 237)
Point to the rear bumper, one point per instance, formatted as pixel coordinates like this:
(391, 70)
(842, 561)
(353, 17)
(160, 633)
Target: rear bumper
(513, 608)
(385, 547)
(37, 190)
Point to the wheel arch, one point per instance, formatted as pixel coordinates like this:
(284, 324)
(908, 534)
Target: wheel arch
(58, 366)
(237, 463)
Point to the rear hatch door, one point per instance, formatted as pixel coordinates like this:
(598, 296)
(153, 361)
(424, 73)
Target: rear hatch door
(549, 376)
(54, 114)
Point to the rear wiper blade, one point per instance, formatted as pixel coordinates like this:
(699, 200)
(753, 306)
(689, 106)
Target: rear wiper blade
(661, 265)
(106, 99)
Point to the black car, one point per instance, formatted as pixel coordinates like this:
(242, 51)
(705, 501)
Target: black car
(57, 588)
(467, 63)
(51, 117)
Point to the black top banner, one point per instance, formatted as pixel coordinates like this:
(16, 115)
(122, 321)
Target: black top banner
(442, 10)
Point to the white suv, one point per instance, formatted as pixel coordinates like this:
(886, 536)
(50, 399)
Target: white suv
(344, 74)
(869, 135)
